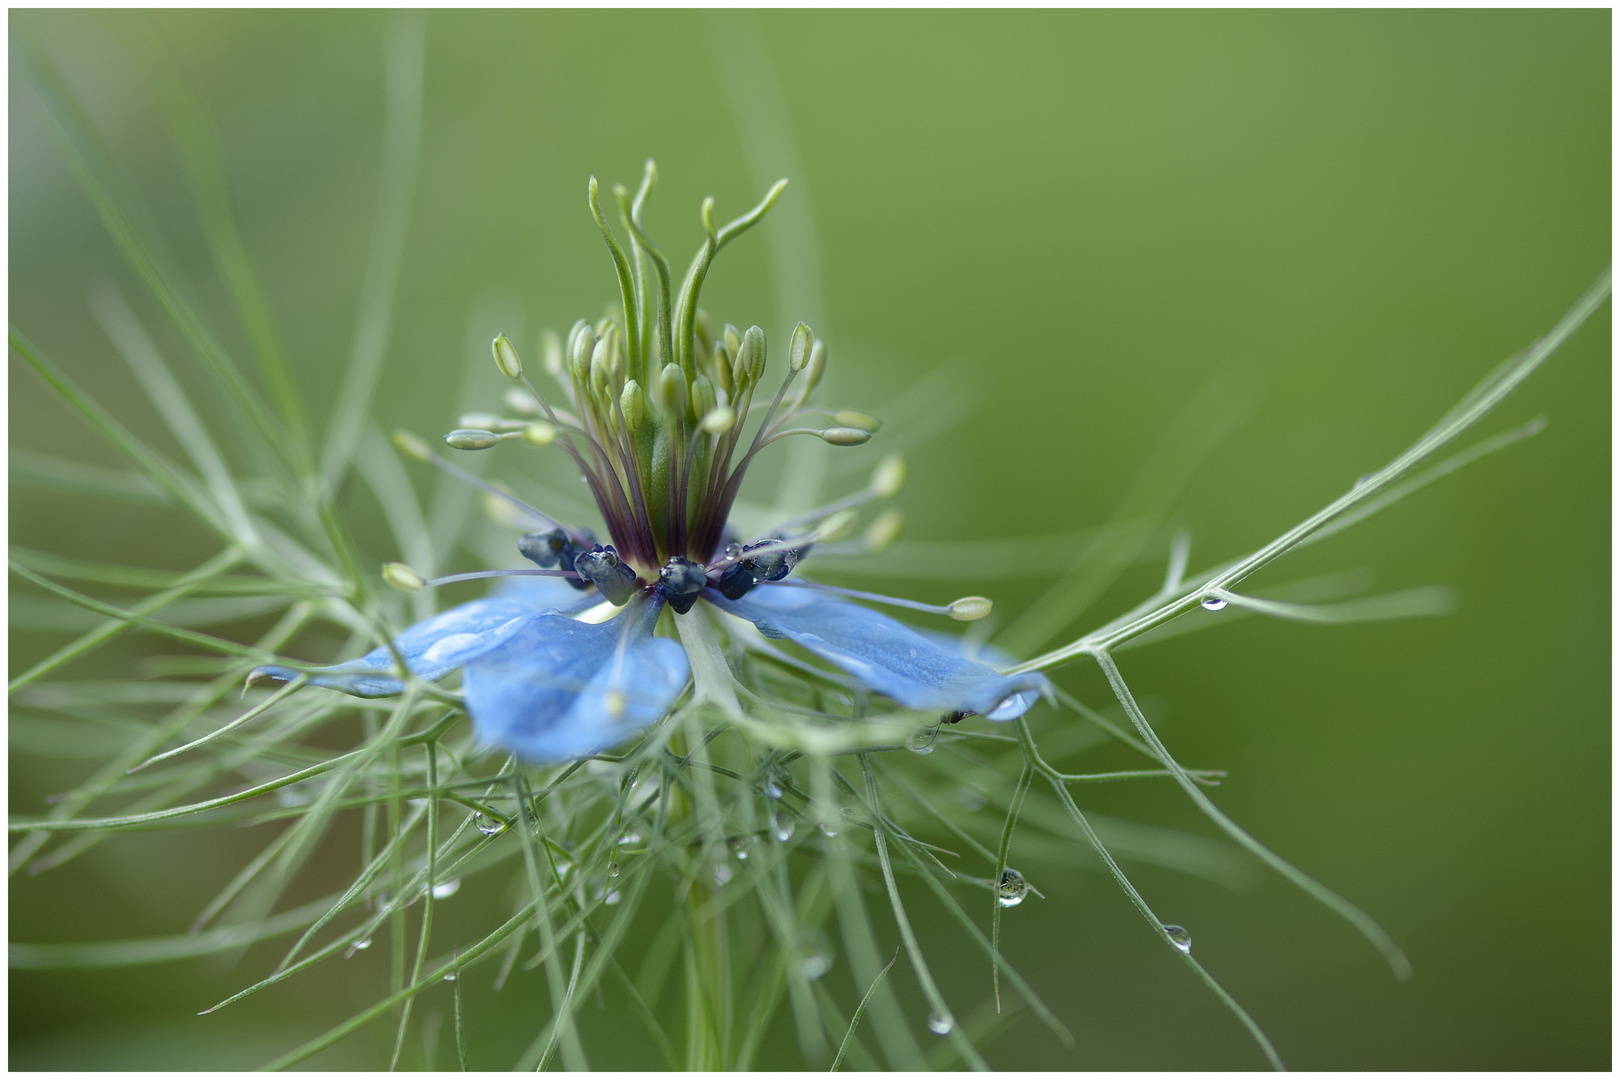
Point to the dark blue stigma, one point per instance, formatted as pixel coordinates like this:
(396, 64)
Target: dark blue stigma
(749, 570)
(602, 567)
(681, 582)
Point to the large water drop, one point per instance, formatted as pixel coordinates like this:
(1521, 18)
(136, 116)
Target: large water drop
(1179, 937)
(940, 1023)
(1012, 888)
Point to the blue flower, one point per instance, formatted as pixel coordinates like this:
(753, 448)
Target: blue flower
(655, 411)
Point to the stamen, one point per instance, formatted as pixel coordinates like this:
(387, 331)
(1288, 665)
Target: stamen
(964, 610)
(451, 579)
(413, 447)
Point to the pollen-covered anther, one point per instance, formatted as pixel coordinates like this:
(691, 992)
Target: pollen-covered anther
(889, 477)
(844, 436)
(402, 577)
(412, 447)
(614, 702)
(969, 608)
(682, 581)
(506, 357)
(472, 439)
(539, 433)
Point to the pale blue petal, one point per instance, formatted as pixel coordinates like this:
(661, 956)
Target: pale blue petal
(435, 647)
(559, 689)
(919, 671)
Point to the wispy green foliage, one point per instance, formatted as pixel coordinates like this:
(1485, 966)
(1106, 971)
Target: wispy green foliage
(775, 807)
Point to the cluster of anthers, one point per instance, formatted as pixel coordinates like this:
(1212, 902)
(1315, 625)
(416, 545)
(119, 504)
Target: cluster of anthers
(653, 412)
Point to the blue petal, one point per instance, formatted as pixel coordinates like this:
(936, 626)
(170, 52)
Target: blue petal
(434, 648)
(560, 689)
(921, 672)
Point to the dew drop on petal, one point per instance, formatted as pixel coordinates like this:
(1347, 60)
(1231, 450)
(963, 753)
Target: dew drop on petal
(1012, 888)
(446, 889)
(826, 830)
(940, 1023)
(740, 849)
(770, 789)
(487, 825)
(613, 869)
(363, 943)
(1179, 937)
(782, 827)
(1213, 603)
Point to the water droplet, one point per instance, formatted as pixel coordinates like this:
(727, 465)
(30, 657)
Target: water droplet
(1012, 888)
(613, 869)
(722, 874)
(826, 830)
(363, 943)
(446, 889)
(1364, 477)
(782, 827)
(816, 962)
(969, 800)
(1179, 937)
(940, 1023)
(740, 849)
(487, 825)
(770, 789)
(922, 740)
(1213, 603)
(451, 977)
(630, 838)
(612, 897)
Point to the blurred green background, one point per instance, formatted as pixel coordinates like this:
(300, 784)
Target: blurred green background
(1074, 219)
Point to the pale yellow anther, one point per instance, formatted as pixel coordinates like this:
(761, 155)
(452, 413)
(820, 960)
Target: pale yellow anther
(889, 477)
(522, 402)
(718, 421)
(856, 419)
(884, 531)
(837, 526)
(412, 447)
(402, 577)
(506, 357)
(481, 420)
(969, 608)
(614, 700)
(539, 433)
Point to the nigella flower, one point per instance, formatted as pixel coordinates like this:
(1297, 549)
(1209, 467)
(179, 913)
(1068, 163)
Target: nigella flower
(655, 414)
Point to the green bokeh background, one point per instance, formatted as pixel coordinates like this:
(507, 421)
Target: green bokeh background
(1079, 217)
